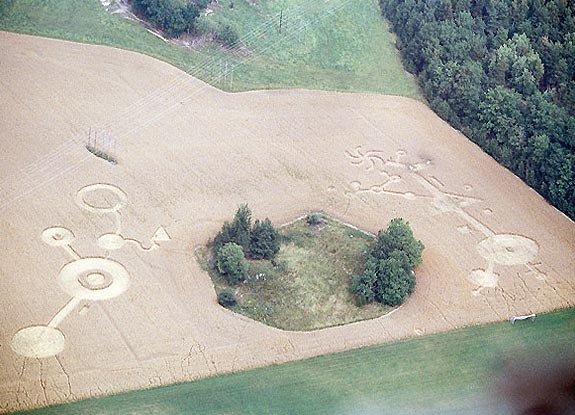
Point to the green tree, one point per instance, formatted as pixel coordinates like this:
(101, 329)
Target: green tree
(231, 263)
(363, 285)
(172, 16)
(238, 231)
(502, 123)
(396, 280)
(227, 298)
(241, 225)
(503, 72)
(264, 240)
(516, 65)
(228, 35)
(388, 275)
(190, 12)
(398, 236)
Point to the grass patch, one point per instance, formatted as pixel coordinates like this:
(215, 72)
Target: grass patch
(307, 286)
(103, 155)
(447, 373)
(348, 49)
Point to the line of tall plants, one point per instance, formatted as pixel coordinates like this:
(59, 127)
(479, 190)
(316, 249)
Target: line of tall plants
(503, 72)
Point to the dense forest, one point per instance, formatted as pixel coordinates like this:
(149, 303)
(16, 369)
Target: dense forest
(503, 72)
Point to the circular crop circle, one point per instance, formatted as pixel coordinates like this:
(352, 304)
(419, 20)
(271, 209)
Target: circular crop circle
(38, 341)
(121, 198)
(57, 236)
(94, 278)
(483, 278)
(111, 241)
(507, 249)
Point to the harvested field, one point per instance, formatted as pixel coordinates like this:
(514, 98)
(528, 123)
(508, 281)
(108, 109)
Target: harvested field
(97, 261)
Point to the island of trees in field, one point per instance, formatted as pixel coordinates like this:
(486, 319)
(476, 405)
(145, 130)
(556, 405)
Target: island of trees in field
(376, 270)
(503, 72)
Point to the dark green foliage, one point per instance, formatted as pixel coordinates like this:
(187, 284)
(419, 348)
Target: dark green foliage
(395, 279)
(264, 240)
(504, 73)
(388, 276)
(313, 219)
(101, 154)
(238, 231)
(363, 285)
(398, 237)
(172, 16)
(241, 225)
(227, 298)
(231, 263)
(228, 35)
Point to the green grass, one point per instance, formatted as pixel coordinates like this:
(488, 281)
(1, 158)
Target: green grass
(309, 286)
(448, 373)
(348, 50)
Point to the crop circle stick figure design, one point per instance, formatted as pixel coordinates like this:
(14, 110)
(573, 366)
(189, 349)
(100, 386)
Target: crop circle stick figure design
(84, 279)
(497, 249)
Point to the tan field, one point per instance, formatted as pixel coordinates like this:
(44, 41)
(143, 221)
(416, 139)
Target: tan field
(100, 290)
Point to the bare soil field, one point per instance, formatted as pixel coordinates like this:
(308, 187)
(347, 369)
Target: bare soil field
(100, 290)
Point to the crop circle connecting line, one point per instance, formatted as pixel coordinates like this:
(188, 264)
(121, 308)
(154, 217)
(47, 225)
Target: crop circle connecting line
(92, 278)
(497, 249)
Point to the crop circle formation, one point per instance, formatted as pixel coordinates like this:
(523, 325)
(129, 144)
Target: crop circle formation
(94, 279)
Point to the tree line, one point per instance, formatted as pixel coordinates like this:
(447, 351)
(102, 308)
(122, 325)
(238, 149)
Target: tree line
(502, 72)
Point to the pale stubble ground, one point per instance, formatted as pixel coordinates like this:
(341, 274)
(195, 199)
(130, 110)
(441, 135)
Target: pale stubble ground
(187, 159)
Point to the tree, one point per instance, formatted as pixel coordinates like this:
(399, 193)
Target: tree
(264, 240)
(228, 35)
(388, 275)
(363, 285)
(242, 224)
(171, 16)
(238, 231)
(231, 263)
(398, 237)
(190, 13)
(395, 278)
(503, 72)
(227, 298)
(516, 65)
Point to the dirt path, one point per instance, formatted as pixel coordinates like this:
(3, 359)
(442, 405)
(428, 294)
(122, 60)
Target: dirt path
(100, 289)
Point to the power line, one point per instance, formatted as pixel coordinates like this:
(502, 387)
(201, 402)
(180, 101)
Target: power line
(71, 146)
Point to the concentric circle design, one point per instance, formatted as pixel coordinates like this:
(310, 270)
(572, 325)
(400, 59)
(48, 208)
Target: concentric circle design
(121, 198)
(38, 342)
(57, 236)
(94, 278)
(507, 249)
